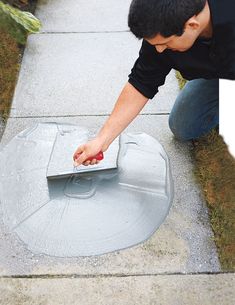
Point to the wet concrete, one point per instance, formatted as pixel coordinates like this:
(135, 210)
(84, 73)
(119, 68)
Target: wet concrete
(84, 214)
(183, 243)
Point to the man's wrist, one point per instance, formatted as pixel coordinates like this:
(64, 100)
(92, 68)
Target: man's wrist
(104, 141)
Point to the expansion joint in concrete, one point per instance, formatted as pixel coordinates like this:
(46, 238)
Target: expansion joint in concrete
(85, 32)
(88, 276)
(79, 115)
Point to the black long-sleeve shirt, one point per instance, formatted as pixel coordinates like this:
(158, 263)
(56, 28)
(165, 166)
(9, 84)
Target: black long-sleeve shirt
(203, 60)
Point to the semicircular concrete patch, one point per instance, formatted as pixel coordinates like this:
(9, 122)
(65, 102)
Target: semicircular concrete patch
(83, 214)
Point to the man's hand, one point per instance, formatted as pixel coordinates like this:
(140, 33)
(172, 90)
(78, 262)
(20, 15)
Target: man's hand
(127, 107)
(87, 150)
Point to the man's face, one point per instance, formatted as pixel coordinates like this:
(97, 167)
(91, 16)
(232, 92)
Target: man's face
(175, 43)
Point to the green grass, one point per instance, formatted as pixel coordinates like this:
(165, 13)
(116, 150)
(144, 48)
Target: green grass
(215, 172)
(10, 64)
(181, 80)
(10, 59)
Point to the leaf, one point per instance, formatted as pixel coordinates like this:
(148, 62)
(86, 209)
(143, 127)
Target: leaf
(18, 23)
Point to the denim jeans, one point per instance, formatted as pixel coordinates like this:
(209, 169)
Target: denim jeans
(196, 109)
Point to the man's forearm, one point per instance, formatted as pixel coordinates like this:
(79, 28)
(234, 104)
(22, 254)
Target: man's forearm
(127, 107)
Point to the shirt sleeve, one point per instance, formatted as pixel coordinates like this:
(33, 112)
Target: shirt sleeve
(149, 71)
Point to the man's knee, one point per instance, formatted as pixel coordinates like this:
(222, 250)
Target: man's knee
(178, 130)
(195, 110)
(185, 131)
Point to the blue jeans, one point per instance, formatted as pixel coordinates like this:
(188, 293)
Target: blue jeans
(196, 109)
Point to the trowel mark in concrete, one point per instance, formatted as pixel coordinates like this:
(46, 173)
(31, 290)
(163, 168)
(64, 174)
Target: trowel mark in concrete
(124, 209)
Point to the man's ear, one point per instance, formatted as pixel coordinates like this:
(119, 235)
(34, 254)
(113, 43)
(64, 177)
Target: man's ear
(192, 23)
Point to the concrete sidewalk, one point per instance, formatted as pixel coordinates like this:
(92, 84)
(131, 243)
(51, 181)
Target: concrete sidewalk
(72, 72)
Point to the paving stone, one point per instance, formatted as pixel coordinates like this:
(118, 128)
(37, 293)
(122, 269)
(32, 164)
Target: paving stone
(80, 74)
(195, 289)
(82, 15)
(183, 243)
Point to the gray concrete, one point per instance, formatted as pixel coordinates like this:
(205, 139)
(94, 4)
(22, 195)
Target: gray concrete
(80, 74)
(183, 243)
(83, 15)
(150, 290)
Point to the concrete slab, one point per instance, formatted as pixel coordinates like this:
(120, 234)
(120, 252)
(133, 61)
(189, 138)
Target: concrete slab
(82, 15)
(80, 74)
(183, 243)
(150, 290)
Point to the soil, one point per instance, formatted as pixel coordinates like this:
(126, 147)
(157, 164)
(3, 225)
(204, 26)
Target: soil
(11, 54)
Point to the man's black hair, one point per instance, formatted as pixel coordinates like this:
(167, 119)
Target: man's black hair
(147, 18)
